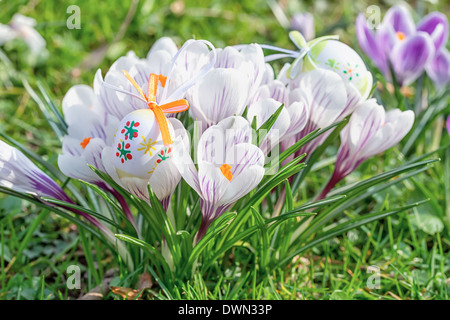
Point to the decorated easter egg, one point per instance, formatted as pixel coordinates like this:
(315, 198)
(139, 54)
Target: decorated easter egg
(137, 145)
(340, 58)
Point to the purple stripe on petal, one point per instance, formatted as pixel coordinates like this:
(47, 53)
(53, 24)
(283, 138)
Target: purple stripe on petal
(46, 186)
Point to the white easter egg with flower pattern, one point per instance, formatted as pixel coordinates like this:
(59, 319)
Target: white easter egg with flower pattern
(340, 58)
(137, 145)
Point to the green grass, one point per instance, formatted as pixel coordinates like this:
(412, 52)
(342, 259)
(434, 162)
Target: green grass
(411, 249)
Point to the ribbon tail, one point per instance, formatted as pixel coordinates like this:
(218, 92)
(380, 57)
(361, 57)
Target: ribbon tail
(163, 126)
(175, 106)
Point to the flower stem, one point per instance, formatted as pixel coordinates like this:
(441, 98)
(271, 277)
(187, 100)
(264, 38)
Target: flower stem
(204, 225)
(125, 208)
(335, 178)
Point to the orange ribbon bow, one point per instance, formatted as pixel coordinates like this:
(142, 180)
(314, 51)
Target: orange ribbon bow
(159, 110)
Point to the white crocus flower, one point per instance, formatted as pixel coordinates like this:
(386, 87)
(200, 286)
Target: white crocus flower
(370, 131)
(143, 145)
(119, 96)
(228, 88)
(23, 27)
(18, 173)
(262, 110)
(248, 59)
(325, 98)
(220, 94)
(229, 167)
(90, 129)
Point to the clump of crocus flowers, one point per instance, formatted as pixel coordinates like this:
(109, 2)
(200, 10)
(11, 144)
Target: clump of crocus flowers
(130, 126)
(406, 49)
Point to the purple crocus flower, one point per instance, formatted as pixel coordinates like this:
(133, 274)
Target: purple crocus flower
(304, 23)
(370, 131)
(399, 43)
(439, 68)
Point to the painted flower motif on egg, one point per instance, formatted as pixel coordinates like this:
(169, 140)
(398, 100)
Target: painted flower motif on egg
(340, 58)
(137, 145)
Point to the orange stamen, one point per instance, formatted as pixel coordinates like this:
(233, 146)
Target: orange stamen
(225, 168)
(171, 107)
(85, 142)
(400, 35)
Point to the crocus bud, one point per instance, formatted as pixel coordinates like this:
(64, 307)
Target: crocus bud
(304, 22)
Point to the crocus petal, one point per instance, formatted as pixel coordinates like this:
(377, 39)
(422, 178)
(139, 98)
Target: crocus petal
(386, 39)
(76, 168)
(165, 179)
(249, 60)
(166, 176)
(187, 169)
(268, 75)
(192, 62)
(237, 130)
(254, 56)
(439, 68)
(368, 43)
(247, 167)
(18, 173)
(274, 89)
(84, 124)
(325, 93)
(75, 164)
(299, 115)
(33, 39)
(117, 103)
(370, 131)
(80, 95)
(304, 23)
(165, 44)
(364, 123)
(264, 109)
(410, 57)
(212, 182)
(400, 18)
(220, 94)
(134, 185)
(436, 25)
(24, 28)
